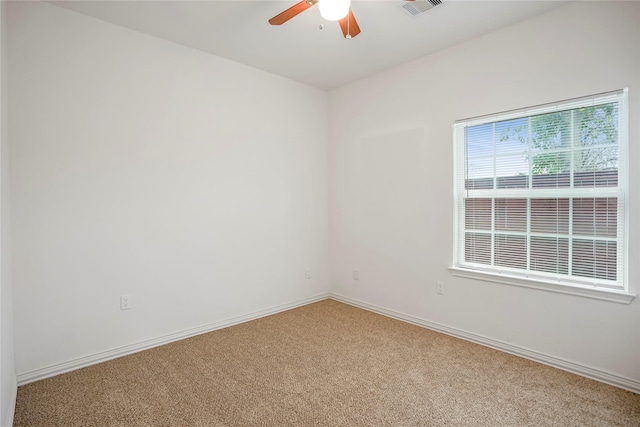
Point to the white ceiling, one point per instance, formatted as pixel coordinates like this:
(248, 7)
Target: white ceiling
(299, 50)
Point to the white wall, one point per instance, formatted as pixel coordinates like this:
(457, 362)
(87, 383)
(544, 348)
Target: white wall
(138, 166)
(8, 386)
(391, 181)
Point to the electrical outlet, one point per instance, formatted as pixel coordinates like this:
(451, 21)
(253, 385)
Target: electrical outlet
(125, 302)
(356, 274)
(440, 287)
(307, 274)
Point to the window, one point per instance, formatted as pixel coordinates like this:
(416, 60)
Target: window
(540, 194)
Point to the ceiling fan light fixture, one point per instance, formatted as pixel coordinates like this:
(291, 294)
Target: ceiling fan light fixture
(334, 10)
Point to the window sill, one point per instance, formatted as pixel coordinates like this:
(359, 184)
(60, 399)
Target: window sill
(601, 294)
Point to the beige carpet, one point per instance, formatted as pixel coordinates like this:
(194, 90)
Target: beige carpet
(325, 364)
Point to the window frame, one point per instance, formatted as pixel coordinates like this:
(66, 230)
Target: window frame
(530, 279)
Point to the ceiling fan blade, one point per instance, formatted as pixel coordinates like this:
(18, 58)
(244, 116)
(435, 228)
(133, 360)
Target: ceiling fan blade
(350, 27)
(291, 12)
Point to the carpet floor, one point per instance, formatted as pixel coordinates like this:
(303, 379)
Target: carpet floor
(323, 364)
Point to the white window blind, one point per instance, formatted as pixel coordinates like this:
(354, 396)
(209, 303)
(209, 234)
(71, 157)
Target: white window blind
(540, 192)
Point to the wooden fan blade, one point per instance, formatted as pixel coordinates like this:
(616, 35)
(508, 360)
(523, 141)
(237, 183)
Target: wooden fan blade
(349, 26)
(291, 12)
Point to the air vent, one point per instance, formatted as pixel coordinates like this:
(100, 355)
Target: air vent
(420, 6)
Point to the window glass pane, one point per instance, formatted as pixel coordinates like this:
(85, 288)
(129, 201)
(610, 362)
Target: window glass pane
(477, 248)
(479, 173)
(512, 136)
(596, 167)
(550, 140)
(511, 214)
(596, 159)
(595, 216)
(596, 155)
(551, 131)
(597, 125)
(550, 169)
(477, 214)
(550, 255)
(512, 171)
(479, 140)
(594, 258)
(550, 216)
(510, 251)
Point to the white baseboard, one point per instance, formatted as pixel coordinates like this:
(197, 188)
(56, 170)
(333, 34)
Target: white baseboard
(585, 371)
(11, 404)
(72, 365)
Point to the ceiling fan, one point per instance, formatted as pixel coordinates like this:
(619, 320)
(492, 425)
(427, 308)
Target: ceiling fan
(348, 24)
